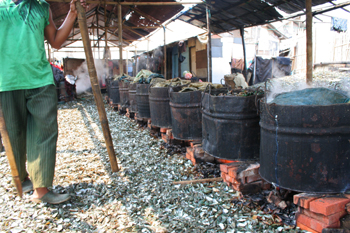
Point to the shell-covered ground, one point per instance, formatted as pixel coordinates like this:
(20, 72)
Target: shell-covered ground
(138, 198)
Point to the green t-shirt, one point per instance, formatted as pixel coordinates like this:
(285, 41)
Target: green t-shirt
(23, 63)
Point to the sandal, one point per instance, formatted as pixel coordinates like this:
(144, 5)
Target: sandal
(52, 198)
(27, 186)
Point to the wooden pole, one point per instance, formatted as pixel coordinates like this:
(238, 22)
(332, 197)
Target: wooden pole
(120, 34)
(95, 86)
(308, 4)
(164, 55)
(209, 57)
(244, 54)
(218, 179)
(98, 34)
(9, 153)
(135, 3)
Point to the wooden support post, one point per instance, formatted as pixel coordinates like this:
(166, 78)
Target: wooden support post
(95, 86)
(209, 57)
(244, 54)
(98, 34)
(120, 35)
(308, 5)
(134, 72)
(164, 55)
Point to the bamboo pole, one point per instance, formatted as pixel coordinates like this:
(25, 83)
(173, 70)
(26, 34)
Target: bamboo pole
(209, 57)
(164, 55)
(9, 153)
(120, 34)
(244, 54)
(308, 4)
(95, 86)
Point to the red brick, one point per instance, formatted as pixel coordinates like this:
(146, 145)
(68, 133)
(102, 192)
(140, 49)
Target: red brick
(193, 161)
(313, 223)
(251, 179)
(226, 166)
(233, 180)
(305, 228)
(322, 218)
(328, 205)
(250, 171)
(304, 199)
(163, 130)
(189, 150)
(169, 132)
(223, 176)
(232, 171)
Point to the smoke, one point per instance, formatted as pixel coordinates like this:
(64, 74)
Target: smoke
(83, 83)
(158, 53)
(277, 86)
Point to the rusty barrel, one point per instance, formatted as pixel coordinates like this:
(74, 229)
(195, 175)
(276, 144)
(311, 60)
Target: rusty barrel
(114, 92)
(306, 148)
(132, 97)
(124, 93)
(159, 107)
(186, 115)
(231, 127)
(142, 98)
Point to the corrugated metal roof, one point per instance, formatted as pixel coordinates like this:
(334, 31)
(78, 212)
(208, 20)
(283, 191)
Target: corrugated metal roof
(138, 21)
(228, 15)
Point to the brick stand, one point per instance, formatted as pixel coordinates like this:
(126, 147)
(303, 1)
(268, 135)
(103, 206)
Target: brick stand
(316, 212)
(243, 177)
(129, 114)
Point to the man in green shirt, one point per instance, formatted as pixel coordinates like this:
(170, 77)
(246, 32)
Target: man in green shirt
(27, 91)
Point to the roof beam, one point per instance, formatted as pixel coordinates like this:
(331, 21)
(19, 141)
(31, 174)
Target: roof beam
(133, 3)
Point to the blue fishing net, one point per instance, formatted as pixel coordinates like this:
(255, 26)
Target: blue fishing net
(311, 96)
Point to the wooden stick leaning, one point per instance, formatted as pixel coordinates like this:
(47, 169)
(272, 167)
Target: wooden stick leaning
(218, 179)
(95, 86)
(9, 153)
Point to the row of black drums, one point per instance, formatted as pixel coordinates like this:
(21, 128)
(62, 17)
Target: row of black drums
(300, 148)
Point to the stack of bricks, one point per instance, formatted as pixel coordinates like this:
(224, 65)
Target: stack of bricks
(194, 152)
(316, 213)
(129, 114)
(242, 177)
(167, 135)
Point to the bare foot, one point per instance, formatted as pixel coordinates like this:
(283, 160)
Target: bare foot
(39, 192)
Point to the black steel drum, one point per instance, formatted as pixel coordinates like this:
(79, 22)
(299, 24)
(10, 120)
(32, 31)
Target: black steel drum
(159, 107)
(114, 92)
(186, 115)
(124, 93)
(231, 127)
(142, 98)
(306, 148)
(132, 98)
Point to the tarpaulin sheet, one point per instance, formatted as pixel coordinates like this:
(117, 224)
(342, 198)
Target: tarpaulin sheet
(311, 96)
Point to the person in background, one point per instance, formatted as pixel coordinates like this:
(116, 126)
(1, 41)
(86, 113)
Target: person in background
(188, 75)
(27, 90)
